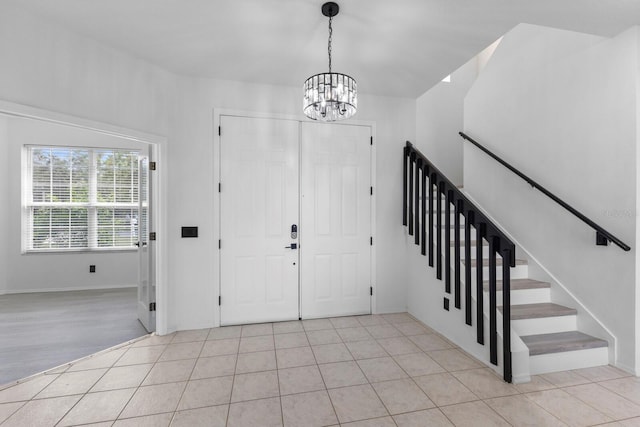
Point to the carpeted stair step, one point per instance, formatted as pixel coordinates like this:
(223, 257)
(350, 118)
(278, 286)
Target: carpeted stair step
(561, 342)
(519, 285)
(539, 311)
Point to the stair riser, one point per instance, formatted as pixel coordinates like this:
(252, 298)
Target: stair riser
(554, 362)
(518, 272)
(545, 325)
(485, 252)
(527, 296)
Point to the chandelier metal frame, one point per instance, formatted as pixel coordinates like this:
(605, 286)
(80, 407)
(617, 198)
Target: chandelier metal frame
(330, 96)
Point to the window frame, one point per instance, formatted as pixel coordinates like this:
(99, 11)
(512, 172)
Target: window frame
(92, 205)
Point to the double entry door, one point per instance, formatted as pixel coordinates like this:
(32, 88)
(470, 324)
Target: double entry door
(295, 220)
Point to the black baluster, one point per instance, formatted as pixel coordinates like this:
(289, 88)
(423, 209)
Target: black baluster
(432, 178)
(447, 244)
(439, 231)
(506, 314)
(468, 220)
(493, 333)
(405, 159)
(456, 249)
(412, 157)
(423, 211)
(419, 166)
(480, 232)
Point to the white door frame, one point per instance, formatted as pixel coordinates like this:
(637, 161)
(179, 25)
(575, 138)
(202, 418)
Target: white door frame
(217, 112)
(158, 192)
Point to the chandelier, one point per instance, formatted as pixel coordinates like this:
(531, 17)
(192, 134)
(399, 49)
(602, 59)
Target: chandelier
(330, 96)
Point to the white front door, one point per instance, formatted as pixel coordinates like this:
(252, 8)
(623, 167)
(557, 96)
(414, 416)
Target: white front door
(146, 288)
(278, 173)
(259, 205)
(335, 224)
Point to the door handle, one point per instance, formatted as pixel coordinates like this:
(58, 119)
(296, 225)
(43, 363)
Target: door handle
(293, 246)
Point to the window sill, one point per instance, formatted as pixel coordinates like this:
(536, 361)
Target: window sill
(78, 251)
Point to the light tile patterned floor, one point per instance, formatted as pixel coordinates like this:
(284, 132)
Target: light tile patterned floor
(380, 370)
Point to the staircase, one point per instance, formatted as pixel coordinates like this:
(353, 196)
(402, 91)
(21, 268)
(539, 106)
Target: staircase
(510, 307)
(549, 330)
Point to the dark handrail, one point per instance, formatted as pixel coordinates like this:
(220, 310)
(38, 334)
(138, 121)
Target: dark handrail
(422, 182)
(603, 237)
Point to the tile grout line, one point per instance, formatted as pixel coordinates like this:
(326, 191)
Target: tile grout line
(317, 365)
(587, 403)
(539, 406)
(275, 355)
(141, 382)
(233, 380)
(89, 390)
(175, 411)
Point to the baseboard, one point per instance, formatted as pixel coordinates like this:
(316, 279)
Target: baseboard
(95, 288)
(627, 368)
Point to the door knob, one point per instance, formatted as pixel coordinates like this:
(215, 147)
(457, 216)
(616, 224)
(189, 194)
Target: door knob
(293, 246)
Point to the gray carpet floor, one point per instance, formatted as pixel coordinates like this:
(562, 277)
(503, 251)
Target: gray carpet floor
(39, 331)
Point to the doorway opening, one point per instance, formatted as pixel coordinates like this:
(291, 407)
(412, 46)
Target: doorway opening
(79, 204)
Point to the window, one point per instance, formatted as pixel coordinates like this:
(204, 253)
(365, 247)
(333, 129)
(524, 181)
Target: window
(80, 199)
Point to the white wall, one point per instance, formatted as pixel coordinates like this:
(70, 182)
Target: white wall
(195, 261)
(48, 67)
(439, 119)
(563, 108)
(61, 271)
(4, 181)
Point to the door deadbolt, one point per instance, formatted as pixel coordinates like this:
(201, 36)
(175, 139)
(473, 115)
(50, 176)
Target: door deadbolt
(294, 231)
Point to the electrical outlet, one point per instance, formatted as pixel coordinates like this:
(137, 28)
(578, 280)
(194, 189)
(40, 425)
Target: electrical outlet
(92, 269)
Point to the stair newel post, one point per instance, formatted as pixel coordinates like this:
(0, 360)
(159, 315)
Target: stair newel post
(423, 210)
(412, 159)
(506, 313)
(419, 169)
(468, 220)
(432, 178)
(447, 246)
(480, 232)
(493, 324)
(439, 230)
(456, 248)
(405, 177)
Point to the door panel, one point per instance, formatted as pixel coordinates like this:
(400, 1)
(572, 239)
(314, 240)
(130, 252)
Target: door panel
(146, 288)
(335, 222)
(259, 203)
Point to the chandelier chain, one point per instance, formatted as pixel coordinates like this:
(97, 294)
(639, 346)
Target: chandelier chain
(330, 37)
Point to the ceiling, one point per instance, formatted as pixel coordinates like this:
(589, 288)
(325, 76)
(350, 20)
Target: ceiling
(397, 48)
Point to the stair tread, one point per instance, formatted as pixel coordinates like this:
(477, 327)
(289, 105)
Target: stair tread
(519, 284)
(485, 262)
(539, 311)
(561, 342)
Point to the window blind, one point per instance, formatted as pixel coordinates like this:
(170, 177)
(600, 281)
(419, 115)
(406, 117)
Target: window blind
(80, 199)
